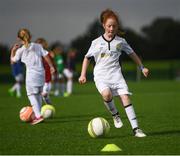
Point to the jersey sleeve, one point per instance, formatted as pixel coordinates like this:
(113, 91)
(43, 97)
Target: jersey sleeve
(17, 56)
(126, 47)
(90, 51)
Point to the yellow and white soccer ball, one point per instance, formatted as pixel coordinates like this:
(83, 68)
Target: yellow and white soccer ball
(98, 127)
(47, 111)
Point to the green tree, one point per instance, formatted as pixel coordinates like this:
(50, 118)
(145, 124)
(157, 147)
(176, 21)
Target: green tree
(163, 38)
(83, 42)
(4, 54)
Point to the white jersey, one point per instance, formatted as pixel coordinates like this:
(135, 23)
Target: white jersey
(32, 57)
(106, 55)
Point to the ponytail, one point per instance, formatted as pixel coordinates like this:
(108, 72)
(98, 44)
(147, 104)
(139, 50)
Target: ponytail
(24, 35)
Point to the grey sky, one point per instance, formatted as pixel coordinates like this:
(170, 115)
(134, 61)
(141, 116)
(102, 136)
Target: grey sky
(64, 20)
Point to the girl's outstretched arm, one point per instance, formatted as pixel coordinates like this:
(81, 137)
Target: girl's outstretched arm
(137, 60)
(50, 64)
(82, 78)
(13, 52)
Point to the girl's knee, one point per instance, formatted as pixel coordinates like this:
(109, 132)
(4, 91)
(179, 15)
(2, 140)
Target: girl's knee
(125, 100)
(107, 95)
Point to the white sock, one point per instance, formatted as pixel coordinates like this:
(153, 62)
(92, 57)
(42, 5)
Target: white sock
(62, 86)
(39, 98)
(50, 87)
(56, 86)
(36, 104)
(111, 107)
(46, 88)
(14, 87)
(69, 86)
(131, 116)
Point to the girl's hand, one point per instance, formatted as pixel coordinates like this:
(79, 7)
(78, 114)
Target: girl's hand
(15, 47)
(82, 79)
(13, 51)
(145, 71)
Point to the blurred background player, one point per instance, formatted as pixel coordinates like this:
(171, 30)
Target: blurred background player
(69, 70)
(31, 55)
(59, 84)
(48, 76)
(17, 72)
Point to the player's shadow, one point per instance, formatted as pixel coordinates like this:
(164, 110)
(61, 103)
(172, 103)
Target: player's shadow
(77, 118)
(115, 137)
(73, 118)
(164, 132)
(159, 133)
(84, 117)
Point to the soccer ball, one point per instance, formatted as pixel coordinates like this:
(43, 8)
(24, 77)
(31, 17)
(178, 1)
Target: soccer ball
(26, 114)
(47, 111)
(98, 127)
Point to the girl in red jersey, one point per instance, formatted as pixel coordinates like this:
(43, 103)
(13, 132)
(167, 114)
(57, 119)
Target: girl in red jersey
(48, 76)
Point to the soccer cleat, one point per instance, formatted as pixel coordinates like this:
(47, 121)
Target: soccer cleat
(139, 133)
(37, 120)
(117, 121)
(18, 96)
(66, 94)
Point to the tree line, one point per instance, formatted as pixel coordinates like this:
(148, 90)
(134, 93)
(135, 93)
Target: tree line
(157, 41)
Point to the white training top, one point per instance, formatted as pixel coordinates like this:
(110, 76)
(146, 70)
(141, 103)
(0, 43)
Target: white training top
(32, 57)
(106, 55)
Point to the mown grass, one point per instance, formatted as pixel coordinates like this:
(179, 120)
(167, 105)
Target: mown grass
(157, 105)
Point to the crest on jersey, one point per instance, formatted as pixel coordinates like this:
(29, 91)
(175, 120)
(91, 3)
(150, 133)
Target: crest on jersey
(102, 55)
(118, 47)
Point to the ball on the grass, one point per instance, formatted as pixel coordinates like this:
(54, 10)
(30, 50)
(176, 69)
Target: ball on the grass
(47, 111)
(98, 127)
(26, 114)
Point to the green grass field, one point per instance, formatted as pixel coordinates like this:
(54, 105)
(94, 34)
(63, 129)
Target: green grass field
(157, 105)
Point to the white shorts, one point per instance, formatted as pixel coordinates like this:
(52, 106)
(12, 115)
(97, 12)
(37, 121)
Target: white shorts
(31, 90)
(19, 77)
(68, 73)
(117, 89)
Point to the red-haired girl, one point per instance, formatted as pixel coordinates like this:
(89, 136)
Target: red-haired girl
(108, 77)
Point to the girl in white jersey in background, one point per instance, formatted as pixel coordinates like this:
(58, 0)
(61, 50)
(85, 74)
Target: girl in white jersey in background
(108, 77)
(31, 54)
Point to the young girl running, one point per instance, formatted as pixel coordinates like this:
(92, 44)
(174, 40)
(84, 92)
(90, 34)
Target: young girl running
(108, 77)
(31, 54)
(69, 70)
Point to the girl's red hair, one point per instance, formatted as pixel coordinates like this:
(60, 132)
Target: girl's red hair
(106, 14)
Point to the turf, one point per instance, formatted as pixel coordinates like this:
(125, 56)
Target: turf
(157, 105)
